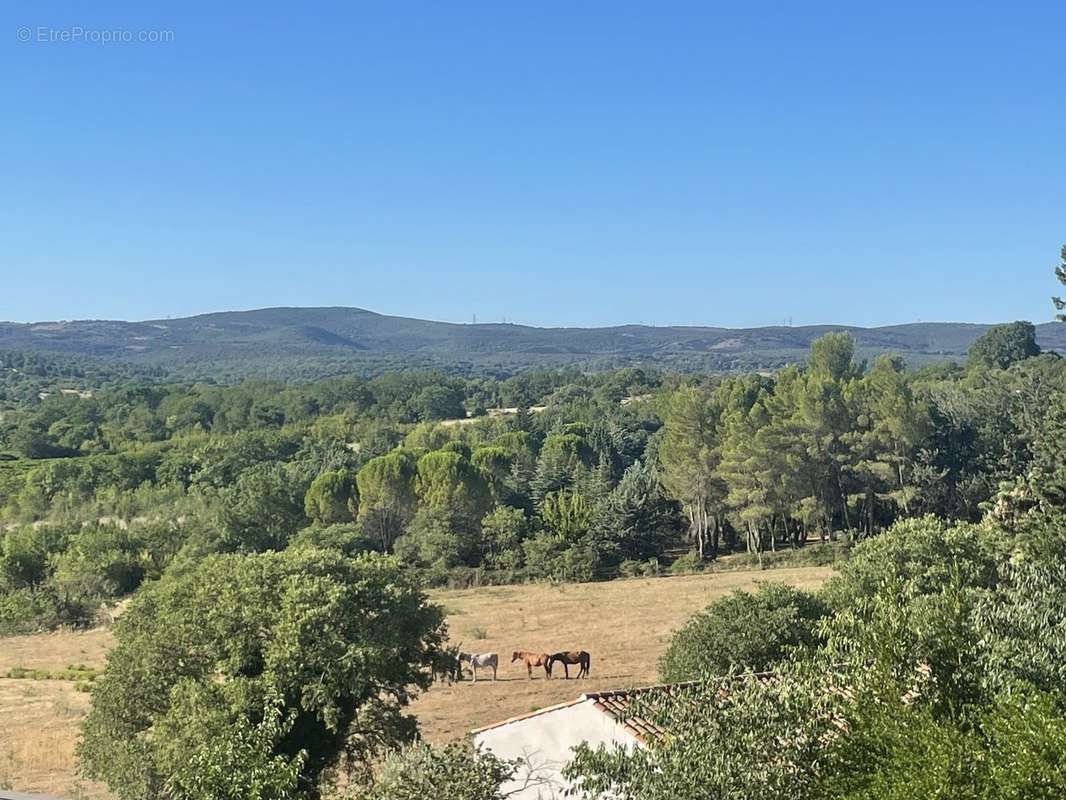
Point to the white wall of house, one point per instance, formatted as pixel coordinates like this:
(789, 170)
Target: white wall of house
(545, 741)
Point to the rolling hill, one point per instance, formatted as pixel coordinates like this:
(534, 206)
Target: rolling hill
(307, 342)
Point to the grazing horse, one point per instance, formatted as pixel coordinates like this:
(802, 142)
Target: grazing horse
(533, 660)
(579, 657)
(484, 660)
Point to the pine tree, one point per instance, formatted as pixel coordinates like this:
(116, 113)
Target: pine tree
(689, 456)
(1060, 273)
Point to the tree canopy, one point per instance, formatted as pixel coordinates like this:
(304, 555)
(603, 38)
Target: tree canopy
(250, 676)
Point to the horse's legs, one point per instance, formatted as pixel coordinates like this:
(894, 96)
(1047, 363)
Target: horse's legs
(529, 670)
(566, 671)
(473, 668)
(493, 672)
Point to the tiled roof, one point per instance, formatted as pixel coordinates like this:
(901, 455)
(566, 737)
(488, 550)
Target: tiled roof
(618, 705)
(614, 703)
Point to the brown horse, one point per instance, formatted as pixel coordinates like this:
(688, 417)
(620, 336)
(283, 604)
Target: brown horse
(579, 657)
(533, 660)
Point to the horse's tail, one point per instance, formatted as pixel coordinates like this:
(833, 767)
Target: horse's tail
(588, 663)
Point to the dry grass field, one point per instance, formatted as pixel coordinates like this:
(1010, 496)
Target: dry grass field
(623, 624)
(40, 718)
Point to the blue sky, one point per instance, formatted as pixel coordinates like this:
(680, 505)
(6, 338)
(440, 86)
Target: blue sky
(551, 163)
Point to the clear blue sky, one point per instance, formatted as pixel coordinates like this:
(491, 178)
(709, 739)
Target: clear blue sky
(549, 162)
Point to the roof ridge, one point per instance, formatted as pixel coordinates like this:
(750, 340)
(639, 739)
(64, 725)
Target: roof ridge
(529, 715)
(634, 725)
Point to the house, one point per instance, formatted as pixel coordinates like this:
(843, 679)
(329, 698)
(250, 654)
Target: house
(543, 740)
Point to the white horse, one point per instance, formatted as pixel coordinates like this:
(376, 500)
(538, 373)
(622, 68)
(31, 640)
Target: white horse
(484, 660)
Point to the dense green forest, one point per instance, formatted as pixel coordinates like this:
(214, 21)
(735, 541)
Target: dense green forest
(548, 474)
(275, 538)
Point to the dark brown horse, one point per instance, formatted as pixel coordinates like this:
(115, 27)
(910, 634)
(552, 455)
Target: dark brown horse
(533, 660)
(579, 657)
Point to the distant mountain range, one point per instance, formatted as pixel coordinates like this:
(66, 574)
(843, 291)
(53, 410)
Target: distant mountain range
(308, 342)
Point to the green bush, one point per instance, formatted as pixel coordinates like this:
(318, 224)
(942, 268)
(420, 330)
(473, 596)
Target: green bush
(548, 557)
(630, 568)
(453, 770)
(922, 554)
(686, 564)
(27, 610)
(1011, 750)
(349, 538)
(650, 568)
(742, 631)
(26, 552)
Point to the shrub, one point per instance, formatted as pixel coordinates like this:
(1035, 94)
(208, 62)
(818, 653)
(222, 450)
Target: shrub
(25, 553)
(27, 610)
(453, 770)
(79, 673)
(1010, 751)
(742, 631)
(348, 539)
(548, 557)
(686, 564)
(629, 568)
(922, 555)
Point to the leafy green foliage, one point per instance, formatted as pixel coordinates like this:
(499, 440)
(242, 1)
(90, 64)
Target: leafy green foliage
(938, 674)
(1013, 749)
(502, 532)
(596, 471)
(1004, 345)
(246, 676)
(733, 739)
(332, 498)
(455, 771)
(919, 556)
(742, 632)
(262, 509)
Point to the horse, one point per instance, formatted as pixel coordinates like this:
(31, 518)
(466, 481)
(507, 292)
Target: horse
(484, 660)
(579, 657)
(533, 660)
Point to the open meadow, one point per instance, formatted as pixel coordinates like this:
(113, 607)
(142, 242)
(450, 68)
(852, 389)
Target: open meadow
(624, 624)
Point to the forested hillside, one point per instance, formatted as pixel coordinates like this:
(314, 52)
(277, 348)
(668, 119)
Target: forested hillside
(317, 342)
(349, 493)
(546, 474)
